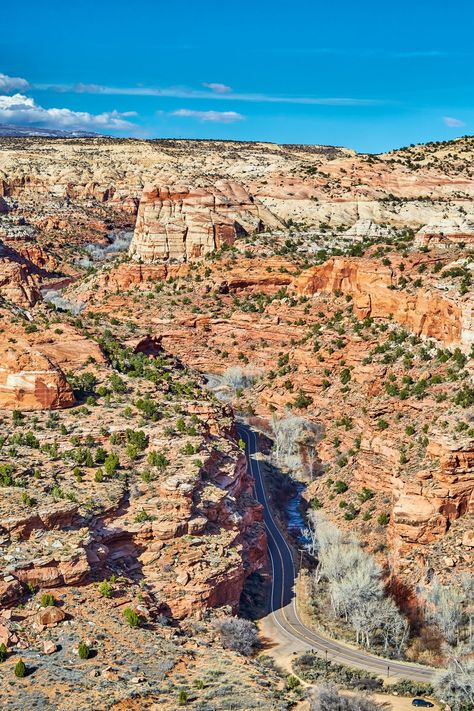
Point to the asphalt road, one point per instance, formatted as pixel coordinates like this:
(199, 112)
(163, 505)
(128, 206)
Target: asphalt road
(282, 602)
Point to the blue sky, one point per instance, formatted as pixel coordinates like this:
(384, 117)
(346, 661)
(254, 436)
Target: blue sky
(368, 75)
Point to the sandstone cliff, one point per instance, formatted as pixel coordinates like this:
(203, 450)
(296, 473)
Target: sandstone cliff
(447, 318)
(178, 223)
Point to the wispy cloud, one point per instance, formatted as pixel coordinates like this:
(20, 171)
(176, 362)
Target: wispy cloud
(8, 84)
(21, 109)
(187, 93)
(214, 116)
(218, 88)
(453, 122)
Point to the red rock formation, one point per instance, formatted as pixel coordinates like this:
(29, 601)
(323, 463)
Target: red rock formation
(446, 233)
(17, 285)
(129, 274)
(443, 317)
(29, 380)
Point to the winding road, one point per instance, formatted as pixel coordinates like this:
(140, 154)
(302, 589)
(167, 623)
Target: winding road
(287, 623)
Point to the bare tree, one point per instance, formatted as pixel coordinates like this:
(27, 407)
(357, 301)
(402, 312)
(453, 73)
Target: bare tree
(328, 698)
(237, 378)
(238, 634)
(455, 685)
(287, 432)
(354, 584)
(445, 609)
(312, 437)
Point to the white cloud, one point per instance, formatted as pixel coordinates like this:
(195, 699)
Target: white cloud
(22, 109)
(214, 116)
(8, 84)
(453, 122)
(218, 88)
(187, 93)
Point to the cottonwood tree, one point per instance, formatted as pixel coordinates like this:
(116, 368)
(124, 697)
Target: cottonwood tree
(328, 698)
(237, 379)
(444, 608)
(455, 685)
(380, 618)
(358, 581)
(286, 434)
(354, 583)
(312, 437)
(322, 535)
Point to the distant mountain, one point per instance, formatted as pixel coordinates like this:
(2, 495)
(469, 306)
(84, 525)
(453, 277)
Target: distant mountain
(10, 130)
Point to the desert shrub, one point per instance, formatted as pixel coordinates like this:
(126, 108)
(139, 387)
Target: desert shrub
(183, 697)
(20, 669)
(365, 495)
(83, 651)
(105, 589)
(111, 464)
(314, 669)
(137, 438)
(100, 455)
(465, 397)
(117, 384)
(407, 687)
(238, 634)
(47, 600)
(345, 376)
(158, 459)
(3, 652)
(302, 401)
(292, 682)
(148, 408)
(142, 516)
(132, 617)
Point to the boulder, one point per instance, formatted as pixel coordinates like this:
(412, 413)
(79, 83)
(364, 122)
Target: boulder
(49, 647)
(50, 616)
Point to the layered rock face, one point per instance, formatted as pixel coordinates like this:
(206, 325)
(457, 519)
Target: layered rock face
(179, 223)
(29, 380)
(17, 284)
(446, 233)
(372, 285)
(425, 507)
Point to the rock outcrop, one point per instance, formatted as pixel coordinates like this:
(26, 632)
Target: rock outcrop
(17, 284)
(373, 288)
(446, 233)
(29, 380)
(178, 223)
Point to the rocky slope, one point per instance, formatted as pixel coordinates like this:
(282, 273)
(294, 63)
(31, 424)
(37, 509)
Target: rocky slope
(184, 522)
(350, 346)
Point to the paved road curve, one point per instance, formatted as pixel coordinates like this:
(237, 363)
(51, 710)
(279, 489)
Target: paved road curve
(283, 607)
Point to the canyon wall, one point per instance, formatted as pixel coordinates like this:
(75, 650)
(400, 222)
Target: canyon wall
(446, 317)
(179, 223)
